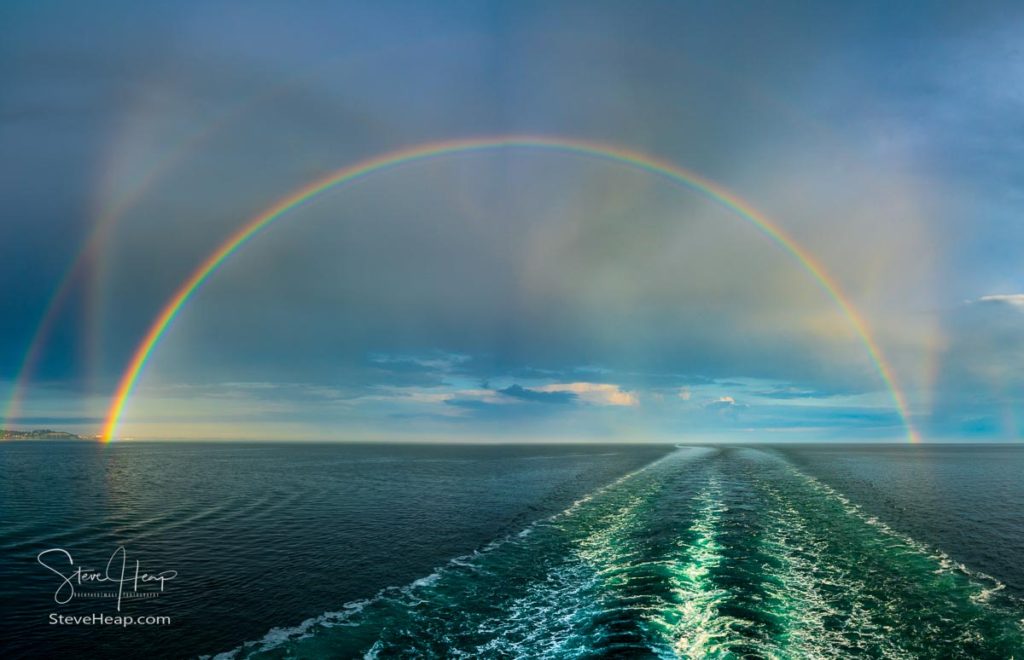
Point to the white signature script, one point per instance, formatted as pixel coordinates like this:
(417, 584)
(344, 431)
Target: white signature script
(118, 571)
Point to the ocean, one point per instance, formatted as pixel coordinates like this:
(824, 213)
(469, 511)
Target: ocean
(340, 550)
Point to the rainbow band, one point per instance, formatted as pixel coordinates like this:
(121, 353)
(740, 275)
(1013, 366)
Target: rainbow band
(365, 168)
(85, 263)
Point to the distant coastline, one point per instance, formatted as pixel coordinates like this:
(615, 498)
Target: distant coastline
(38, 434)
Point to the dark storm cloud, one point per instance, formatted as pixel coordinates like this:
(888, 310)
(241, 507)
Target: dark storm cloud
(536, 396)
(192, 117)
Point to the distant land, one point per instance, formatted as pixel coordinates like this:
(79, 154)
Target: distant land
(38, 434)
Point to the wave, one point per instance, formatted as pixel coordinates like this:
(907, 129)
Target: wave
(703, 553)
(461, 565)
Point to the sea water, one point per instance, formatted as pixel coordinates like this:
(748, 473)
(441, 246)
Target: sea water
(795, 551)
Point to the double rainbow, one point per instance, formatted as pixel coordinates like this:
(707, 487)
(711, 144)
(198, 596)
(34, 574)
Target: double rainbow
(633, 159)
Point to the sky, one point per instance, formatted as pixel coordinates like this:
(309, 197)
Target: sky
(515, 294)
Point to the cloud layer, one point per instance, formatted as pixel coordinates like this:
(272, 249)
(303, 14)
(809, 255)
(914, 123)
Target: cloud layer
(518, 292)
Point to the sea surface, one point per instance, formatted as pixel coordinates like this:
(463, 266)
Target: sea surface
(380, 551)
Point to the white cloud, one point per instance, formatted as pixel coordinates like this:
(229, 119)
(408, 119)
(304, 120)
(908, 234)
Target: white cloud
(602, 394)
(1015, 299)
(725, 404)
(440, 362)
(684, 393)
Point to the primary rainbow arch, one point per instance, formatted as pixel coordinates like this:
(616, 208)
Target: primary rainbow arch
(627, 157)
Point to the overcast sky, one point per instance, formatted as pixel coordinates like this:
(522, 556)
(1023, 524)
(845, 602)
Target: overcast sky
(517, 294)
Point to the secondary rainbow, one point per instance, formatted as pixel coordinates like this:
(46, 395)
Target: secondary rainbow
(88, 260)
(432, 150)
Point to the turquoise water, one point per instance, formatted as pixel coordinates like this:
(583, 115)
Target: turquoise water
(387, 551)
(705, 553)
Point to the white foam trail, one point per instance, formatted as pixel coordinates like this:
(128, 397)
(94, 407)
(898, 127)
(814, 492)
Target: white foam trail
(555, 617)
(797, 587)
(987, 584)
(277, 637)
(700, 629)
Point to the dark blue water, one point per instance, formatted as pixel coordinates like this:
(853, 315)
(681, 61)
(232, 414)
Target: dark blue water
(624, 551)
(261, 535)
(966, 499)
